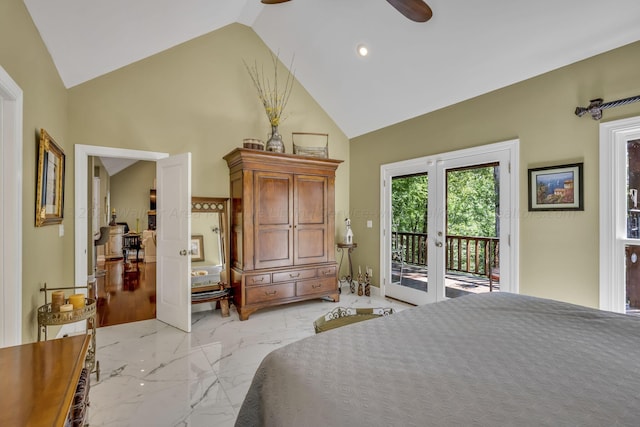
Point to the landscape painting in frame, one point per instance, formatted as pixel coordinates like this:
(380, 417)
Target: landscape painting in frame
(556, 188)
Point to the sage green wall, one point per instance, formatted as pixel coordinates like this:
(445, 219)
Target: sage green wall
(197, 97)
(558, 251)
(45, 256)
(130, 193)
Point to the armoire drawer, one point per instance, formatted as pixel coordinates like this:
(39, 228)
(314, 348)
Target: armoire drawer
(271, 292)
(288, 276)
(258, 279)
(314, 286)
(327, 272)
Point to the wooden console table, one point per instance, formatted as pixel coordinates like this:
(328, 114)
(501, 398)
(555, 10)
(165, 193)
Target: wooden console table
(39, 381)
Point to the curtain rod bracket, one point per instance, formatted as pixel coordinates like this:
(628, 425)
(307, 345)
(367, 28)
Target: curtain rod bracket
(597, 105)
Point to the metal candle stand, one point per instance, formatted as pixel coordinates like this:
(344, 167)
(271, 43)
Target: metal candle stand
(48, 317)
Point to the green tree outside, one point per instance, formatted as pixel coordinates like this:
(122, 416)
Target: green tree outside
(472, 202)
(409, 203)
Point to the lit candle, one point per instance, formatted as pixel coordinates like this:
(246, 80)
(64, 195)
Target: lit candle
(77, 301)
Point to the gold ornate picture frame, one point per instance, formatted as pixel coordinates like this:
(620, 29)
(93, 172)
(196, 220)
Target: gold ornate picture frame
(50, 182)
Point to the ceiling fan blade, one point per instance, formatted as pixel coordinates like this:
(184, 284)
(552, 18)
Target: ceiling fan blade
(416, 10)
(274, 1)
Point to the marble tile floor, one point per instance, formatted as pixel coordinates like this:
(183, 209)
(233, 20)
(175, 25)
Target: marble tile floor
(152, 374)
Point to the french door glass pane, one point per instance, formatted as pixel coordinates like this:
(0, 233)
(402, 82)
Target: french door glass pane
(472, 251)
(409, 198)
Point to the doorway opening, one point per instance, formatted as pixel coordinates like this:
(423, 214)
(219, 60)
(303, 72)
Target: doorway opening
(449, 222)
(472, 249)
(84, 235)
(123, 254)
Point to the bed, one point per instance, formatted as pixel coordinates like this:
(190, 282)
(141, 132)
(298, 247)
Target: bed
(494, 359)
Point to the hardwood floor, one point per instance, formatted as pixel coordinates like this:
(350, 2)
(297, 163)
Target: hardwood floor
(129, 297)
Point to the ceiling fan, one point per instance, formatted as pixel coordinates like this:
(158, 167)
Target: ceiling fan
(416, 10)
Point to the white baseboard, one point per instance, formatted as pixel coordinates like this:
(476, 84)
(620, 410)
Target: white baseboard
(205, 306)
(344, 287)
(375, 291)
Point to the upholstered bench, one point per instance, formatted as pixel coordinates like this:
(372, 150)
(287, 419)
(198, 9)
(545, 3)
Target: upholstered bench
(341, 316)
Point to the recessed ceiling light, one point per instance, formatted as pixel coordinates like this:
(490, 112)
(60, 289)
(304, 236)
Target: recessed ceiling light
(362, 50)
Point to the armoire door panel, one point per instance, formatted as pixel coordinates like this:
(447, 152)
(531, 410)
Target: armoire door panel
(274, 192)
(273, 222)
(311, 194)
(311, 246)
(273, 248)
(310, 219)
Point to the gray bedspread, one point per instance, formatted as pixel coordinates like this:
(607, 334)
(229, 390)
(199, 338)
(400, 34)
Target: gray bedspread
(483, 360)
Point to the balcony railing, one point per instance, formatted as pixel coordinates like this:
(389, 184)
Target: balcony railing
(465, 254)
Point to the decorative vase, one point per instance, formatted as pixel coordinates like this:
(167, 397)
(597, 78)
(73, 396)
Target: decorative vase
(275, 143)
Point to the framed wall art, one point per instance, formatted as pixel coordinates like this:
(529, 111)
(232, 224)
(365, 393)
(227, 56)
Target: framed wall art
(50, 181)
(556, 188)
(197, 247)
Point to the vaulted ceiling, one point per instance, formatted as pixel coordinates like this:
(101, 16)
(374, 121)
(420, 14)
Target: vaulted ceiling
(468, 48)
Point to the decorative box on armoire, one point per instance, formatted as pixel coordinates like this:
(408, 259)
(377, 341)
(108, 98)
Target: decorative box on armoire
(282, 229)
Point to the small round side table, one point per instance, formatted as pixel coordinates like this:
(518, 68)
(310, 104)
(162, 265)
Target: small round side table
(349, 247)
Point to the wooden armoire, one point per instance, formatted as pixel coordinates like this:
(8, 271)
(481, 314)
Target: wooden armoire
(282, 229)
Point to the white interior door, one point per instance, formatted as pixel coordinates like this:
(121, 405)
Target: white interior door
(173, 291)
(436, 167)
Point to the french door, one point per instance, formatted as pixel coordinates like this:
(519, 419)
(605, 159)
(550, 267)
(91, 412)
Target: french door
(505, 156)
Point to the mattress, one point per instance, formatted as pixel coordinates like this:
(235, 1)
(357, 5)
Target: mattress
(494, 359)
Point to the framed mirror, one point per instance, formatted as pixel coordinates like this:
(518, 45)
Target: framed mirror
(210, 233)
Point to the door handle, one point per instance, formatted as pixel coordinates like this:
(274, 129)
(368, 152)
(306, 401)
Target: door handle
(183, 252)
